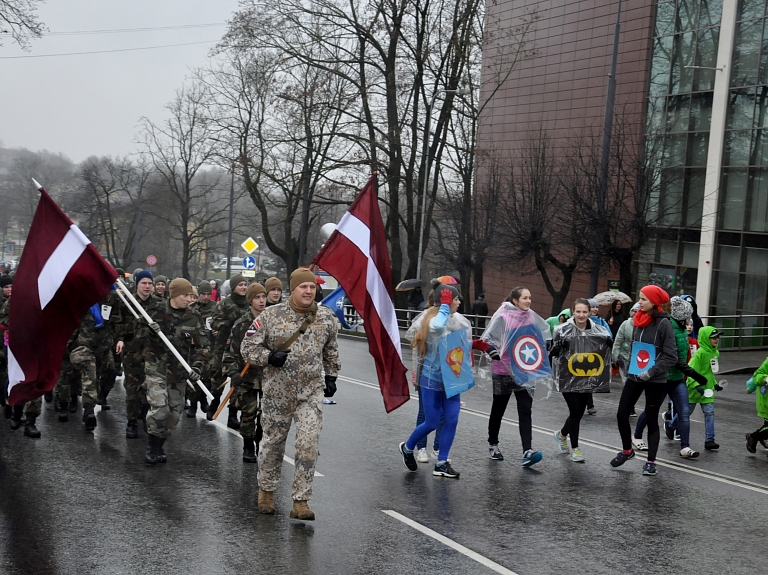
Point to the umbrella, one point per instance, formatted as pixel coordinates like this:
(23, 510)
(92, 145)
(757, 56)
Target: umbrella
(448, 280)
(407, 285)
(607, 297)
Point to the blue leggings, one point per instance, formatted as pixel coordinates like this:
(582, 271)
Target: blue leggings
(422, 444)
(435, 405)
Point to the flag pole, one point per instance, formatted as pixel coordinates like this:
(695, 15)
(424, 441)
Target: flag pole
(165, 340)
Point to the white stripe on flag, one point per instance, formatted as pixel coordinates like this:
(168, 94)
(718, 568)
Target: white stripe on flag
(58, 265)
(359, 234)
(15, 373)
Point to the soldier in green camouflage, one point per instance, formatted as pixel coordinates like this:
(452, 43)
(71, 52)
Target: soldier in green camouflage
(161, 287)
(247, 395)
(92, 357)
(204, 306)
(165, 376)
(66, 386)
(293, 386)
(227, 312)
(133, 361)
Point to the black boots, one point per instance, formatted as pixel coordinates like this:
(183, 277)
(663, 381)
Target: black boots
(48, 395)
(152, 450)
(132, 429)
(89, 418)
(73, 404)
(249, 450)
(232, 421)
(212, 409)
(161, 458)
(102, 400)
(29, 427)
(16, 413)
(192, 409)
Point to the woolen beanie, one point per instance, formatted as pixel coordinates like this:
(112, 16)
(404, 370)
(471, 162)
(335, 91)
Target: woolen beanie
(236, 279)
(5, 281)
(442, 287)
(144, 274)
(162, 279)
(681, 309)
(253, 291)
(301, 275)
(204, 287)
(656, 295)
(120, 273)
(180, 286)
(593, 302)
(273, 283)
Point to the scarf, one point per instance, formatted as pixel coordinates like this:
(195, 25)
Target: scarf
(312, 308)
(642, 319)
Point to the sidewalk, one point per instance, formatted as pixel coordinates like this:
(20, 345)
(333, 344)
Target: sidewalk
(741, 362)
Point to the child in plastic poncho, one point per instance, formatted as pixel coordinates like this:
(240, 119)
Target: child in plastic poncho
(516, 325)
(428, 374)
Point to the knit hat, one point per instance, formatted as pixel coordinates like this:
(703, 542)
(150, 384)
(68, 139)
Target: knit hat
(120, 273)
(162, 279)
(593, 302)
(635, 308)
(5, 281)
(655, 294)
(438, 288)
(204, 287)
(236, 279)
(180, 286)
(144, 274)
(301, 275)
(273, 283)
(681, 309)
(254, 290)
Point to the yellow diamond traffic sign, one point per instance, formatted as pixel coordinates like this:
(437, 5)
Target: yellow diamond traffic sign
(250, 245)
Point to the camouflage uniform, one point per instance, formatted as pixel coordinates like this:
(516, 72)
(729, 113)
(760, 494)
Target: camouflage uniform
(226, 313)
(3, 357)
(92, 357)
(117, 324)
(68, 377)
(166, 379)
(247, 395)
(292, 392)
(133, 361)
(34, 407)
(206, 312)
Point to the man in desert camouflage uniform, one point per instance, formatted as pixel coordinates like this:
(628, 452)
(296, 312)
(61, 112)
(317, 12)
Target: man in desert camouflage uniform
(227, 312)
(247, 395)
(203, 306)
(293, 386)
(166, 379)
(133, 361)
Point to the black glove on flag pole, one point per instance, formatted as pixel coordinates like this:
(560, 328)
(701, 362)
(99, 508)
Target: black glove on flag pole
(60, 276)
(356, 255)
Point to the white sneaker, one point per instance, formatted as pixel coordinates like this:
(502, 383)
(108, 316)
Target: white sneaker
(435, 454)
(421, 455)
(639, 444)
(576, 455)
(688, 453)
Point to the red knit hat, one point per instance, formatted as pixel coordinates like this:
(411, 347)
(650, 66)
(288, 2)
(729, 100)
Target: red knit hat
(656, 295)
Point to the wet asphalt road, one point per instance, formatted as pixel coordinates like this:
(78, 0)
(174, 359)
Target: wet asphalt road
(76, 502)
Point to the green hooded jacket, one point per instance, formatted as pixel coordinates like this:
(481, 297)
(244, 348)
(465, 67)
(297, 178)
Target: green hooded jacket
(761, 392)
(701, 363)
(681, 338)
(554, 321)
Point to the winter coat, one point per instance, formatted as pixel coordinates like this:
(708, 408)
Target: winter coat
(622, 343)
(661, 334)
(702, 362)
(601, 322)
(681, 337)
(759, 377)
(618, 320)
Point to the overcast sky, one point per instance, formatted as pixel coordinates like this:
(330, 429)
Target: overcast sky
(90, 104)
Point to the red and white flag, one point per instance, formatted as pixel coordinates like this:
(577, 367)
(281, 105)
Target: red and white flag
(356, 255)
(60, 275)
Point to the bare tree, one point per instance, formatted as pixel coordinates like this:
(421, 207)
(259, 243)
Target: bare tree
(19, 19)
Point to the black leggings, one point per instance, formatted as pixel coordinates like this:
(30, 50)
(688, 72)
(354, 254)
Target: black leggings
(577, 403)
(654, 397)
(499, 406)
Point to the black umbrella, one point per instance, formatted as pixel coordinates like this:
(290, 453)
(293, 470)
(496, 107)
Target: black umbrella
(407, 285)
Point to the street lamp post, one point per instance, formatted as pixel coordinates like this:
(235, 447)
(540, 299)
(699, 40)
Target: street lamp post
(428, 121)
(231, 210)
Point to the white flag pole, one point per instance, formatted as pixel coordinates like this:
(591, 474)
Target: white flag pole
(165, 340)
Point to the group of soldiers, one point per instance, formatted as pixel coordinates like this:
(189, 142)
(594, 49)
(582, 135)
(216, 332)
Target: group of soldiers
(280, 358)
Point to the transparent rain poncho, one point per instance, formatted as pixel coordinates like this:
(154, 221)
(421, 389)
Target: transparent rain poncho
(521, 340)
(456, 322)
(585, 366)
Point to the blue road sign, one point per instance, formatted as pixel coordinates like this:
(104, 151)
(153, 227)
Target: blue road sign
(249, 262)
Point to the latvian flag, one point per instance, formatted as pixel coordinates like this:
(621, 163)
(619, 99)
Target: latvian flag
(60, 276)
(356, 255)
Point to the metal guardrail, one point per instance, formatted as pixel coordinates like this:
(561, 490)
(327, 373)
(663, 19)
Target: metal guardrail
(741, 332)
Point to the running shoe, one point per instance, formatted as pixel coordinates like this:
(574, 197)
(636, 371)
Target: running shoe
(576, 455)
(422, 456)
(639, 444)
(763, 442)
(621, 458)
(633, 413)
(531, 457)
(591, 411)
(408, 459)
(669, 431)
(688, 453)
(711, 446)
(751, 444)
(435, 453)
(562, 442)
(445, 470)
(649, 468)
(676, 436)
(495, 453)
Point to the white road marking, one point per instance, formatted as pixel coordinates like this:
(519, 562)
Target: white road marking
(237, 433)
(726, 479)
(492, 565)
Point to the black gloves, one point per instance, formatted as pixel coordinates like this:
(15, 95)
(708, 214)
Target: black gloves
(330, 385)
(493, 353)
(277, 358)
(700, 389)
(234, 380)
(718, 387)
(194, 375)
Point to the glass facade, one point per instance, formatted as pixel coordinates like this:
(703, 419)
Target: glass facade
(678, 120)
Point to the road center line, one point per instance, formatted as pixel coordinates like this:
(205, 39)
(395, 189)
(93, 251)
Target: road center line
(450, 543)
(727, 479)
(237, 433)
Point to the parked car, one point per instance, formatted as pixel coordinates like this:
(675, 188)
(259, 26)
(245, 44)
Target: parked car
(236, 265)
